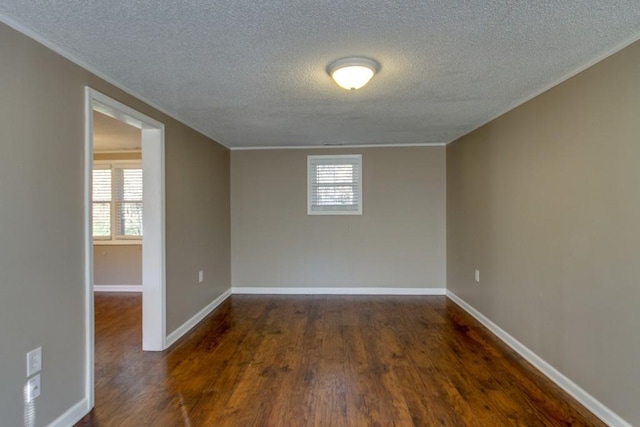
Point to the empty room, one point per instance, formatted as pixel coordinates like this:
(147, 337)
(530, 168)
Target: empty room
(412, 213)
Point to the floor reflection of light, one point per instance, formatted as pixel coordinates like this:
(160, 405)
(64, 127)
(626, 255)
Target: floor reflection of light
(29, 408)
(185, 414)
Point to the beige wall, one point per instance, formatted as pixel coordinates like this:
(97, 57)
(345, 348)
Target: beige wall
(198, 223)
(399, 241)
(41, 255)
(117, 265)
(545, 202)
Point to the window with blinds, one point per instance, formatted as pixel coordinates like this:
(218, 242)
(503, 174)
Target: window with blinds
(102, 201)
(334, 185)
(128, 202)
(117, 201)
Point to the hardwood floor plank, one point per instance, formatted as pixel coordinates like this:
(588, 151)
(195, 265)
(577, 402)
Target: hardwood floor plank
(301, 402)
(320, 361)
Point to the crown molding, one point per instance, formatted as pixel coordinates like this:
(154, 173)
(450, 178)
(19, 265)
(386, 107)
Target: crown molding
(351, 147)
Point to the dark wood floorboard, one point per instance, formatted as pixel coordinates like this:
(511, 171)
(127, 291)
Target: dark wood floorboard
(320, 361)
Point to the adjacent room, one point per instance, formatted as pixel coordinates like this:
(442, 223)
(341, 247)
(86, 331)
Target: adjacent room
(116, 205)
(409, 213)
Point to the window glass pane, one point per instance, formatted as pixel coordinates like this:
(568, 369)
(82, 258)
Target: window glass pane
(129, 217)
(101, 219)
(335, 195)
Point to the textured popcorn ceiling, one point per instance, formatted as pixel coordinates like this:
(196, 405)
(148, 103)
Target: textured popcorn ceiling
(252, 72)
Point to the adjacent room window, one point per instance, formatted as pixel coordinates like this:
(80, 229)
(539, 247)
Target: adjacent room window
(117, 201)
(334, 185)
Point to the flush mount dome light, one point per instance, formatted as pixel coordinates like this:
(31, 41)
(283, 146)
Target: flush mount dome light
(353, 73)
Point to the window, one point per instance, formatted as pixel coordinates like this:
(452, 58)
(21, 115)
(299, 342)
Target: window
(117, 201)
(334, 185)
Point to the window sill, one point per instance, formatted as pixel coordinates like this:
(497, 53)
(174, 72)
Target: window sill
(117, 243)
(327, 212)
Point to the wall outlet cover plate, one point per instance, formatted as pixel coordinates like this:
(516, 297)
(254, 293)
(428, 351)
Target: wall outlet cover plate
(33, 388)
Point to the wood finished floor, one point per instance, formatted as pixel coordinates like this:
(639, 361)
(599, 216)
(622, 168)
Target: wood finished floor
(320, 361)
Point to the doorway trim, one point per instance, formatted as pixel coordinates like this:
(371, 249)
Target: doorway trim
(154, 336)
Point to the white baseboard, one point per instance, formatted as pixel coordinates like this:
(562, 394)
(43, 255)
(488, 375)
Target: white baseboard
(337, 291)
(186, 326)
(73, 415)
(117, 288)
(590, 402)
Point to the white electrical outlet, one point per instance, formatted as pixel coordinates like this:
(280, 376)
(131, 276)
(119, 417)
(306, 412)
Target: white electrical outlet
(34, 361)
(33, 388)
(200, 276)
(478, 276)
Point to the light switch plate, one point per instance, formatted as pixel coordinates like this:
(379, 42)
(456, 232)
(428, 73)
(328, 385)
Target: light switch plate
(34, 361)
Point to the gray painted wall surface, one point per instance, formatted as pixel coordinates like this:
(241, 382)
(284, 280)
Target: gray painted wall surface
(545, 202)
(198, 223)
(41, 222)
(117, 265)
(399, 241)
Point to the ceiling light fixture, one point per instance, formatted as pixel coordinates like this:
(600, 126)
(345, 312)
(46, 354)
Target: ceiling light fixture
(353, 73)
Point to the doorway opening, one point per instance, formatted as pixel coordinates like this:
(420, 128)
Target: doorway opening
(153, 214)
(117, 206)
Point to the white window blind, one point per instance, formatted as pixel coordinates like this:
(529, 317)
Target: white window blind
(117, 201)
(334, 185)
(128, 201)
(102, 201)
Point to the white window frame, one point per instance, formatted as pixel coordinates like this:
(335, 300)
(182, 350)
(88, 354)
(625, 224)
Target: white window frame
(355, 159)
(114, 239)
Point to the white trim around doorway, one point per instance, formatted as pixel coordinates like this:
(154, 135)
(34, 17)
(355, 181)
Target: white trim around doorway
(154, 336)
